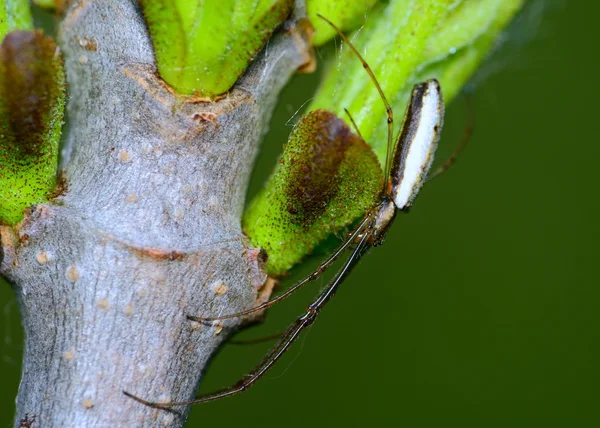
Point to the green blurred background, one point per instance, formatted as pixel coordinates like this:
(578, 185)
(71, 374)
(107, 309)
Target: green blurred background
(480, 309)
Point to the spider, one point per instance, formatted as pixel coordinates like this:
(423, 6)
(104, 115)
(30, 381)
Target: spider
(408, 162)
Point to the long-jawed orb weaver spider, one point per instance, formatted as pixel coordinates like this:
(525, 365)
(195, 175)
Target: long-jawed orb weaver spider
(407, 165)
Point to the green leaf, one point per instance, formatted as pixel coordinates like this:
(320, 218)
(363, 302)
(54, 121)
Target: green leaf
(32, 99)
(406, 42)
(46, 4)
(202, 47)
(14, 15)
(347, 15)
(327, 176)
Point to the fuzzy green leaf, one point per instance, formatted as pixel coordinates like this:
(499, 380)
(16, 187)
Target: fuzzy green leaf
(14, 15)
(327, 176)
(347, 14)
(202, 47)
(32, 99)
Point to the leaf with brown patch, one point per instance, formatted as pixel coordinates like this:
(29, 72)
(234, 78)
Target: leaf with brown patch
(32, 98)
(326, 178)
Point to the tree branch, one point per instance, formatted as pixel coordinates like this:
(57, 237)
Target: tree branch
(146, 231)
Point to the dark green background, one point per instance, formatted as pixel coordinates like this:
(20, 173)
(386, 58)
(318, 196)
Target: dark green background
(480, 309)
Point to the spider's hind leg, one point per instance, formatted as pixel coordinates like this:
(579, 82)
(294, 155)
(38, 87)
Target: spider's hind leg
(287, 338)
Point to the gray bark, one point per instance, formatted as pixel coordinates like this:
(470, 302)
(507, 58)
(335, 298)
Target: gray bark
(146, 232)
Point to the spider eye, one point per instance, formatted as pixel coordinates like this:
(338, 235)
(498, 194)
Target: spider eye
(416, 144)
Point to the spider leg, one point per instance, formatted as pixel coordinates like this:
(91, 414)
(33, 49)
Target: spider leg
(468, 132)
(288, 337)
(354, 124)
(316, 274)
(388, 107)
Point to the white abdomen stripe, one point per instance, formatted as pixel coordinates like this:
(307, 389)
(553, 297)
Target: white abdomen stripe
(417, 142)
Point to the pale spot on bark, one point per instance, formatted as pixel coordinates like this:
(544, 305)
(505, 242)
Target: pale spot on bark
(68, 355)
(103, 304)
(88, 44)
(220, 289)
(195, 325)
(73, 273)
(125, 156)
(42, 257)
(179, 213)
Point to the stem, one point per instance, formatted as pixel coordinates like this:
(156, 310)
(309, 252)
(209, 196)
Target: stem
(146, 232)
